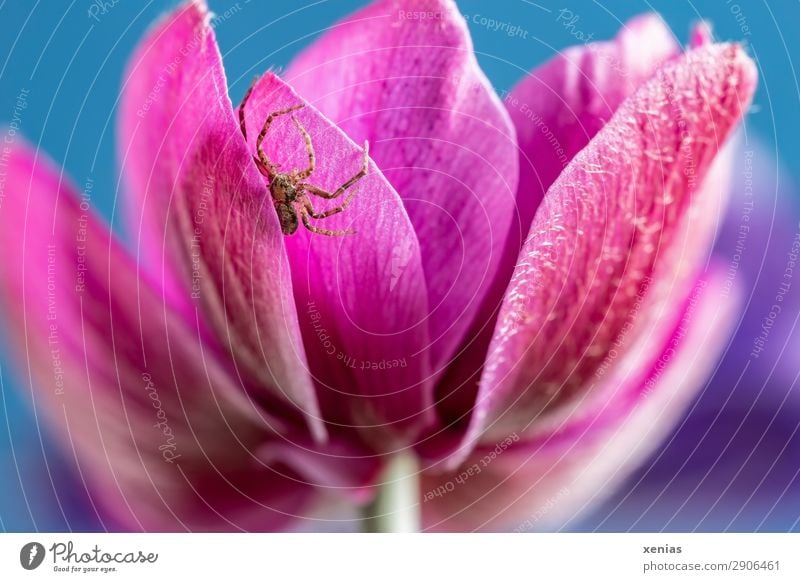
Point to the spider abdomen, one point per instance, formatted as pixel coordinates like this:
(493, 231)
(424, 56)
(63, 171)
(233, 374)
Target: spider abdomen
(287, 216)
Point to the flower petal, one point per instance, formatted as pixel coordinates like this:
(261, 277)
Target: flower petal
(197, 201)
(615, 241)
(557, 109)
(439, 133)
(701, 35)
(362, 297)
(158, 429)
(732, 464)
(562, 105)
(544, 482)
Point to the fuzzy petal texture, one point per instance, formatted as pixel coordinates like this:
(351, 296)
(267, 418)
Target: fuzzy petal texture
(543, 482)
(557, 109)
(199, 205)
(734, 461)
(617, 238)
(439, 133)
(159, 431)
(562, 105)
(362, 297)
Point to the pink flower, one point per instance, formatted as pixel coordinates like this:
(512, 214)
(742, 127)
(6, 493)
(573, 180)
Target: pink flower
(525, 308)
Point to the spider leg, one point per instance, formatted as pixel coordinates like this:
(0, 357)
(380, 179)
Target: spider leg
(312, 158)
(268, 171)
(269, 167)
(316, 191)
(326, 213)
(306, 210)
(245, 99)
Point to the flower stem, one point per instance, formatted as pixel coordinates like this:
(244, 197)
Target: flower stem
(395, 508)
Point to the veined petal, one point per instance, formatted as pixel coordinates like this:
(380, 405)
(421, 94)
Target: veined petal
(439, 133)
(163, 437)
(616, 240)
(557, 109)
(562, 105)
(197, 201)
(622, 362)
(737, 446)
(543, 482)
(362, 297)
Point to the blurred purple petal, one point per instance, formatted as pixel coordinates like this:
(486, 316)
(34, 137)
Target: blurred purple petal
(734, 461)
(540, 483)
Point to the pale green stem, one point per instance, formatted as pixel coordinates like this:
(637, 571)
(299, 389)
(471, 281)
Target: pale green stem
(396, 506)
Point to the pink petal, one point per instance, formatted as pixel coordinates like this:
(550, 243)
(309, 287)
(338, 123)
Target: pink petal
(616, 240)
(702, 34)
(197, 202)
(557, 109)
(513, 484)
(362, 297)
(162, 436)
(561, 105)
(439, 133)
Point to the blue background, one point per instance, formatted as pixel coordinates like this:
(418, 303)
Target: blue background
(73, 64)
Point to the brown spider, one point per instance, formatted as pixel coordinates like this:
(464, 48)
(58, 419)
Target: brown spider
(288, 190)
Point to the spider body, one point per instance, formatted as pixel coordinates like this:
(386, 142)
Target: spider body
(282, 189)
(284, 194)
(287, 216)
(289, 191)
